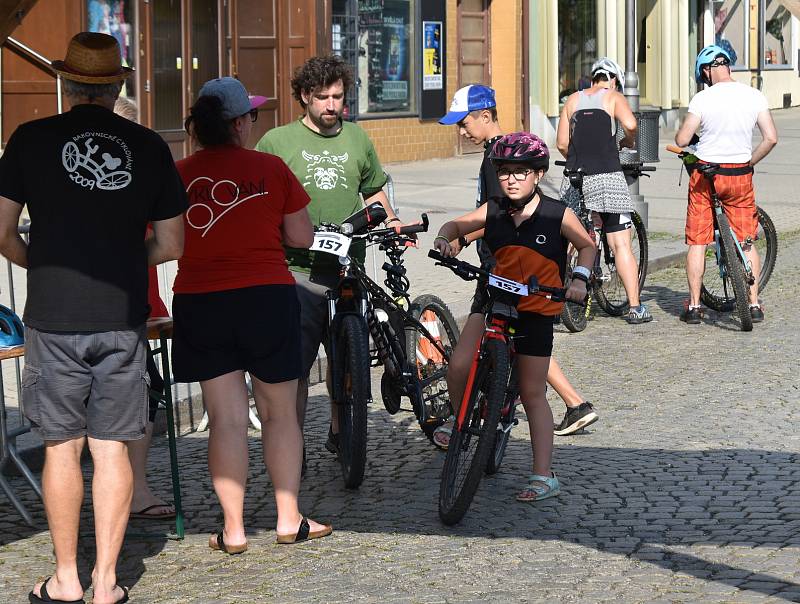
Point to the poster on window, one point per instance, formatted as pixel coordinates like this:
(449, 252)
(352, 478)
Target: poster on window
(115, 18)
(387, 24)
(432, 55)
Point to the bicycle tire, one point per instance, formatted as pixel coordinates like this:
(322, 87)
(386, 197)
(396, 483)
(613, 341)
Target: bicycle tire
(482, 416)
(712, 293)
(435, 394)
(352, 366)
(610, 293)
(736, 273)
(507, 421)
(573, 316)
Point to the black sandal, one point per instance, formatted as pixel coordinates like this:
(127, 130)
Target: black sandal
(304, 533)
(219, 545)
(45, 597)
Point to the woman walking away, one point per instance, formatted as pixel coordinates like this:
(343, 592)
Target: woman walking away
(235, 307)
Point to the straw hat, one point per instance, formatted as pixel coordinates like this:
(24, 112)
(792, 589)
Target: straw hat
(92, 58)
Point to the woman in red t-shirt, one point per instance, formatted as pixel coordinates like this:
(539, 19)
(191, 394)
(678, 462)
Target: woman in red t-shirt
(235, 308)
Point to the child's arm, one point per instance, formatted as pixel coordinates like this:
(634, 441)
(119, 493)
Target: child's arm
(576, 234)
(467, 225)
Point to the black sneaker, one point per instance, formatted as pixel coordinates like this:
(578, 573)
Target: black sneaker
(332, 444)
(576, 418)
(757, 314)
(692, 316)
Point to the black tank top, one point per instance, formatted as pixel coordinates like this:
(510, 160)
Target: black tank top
(592, 140)
(535, 247)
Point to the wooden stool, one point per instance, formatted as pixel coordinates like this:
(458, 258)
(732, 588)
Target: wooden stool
(8, 443)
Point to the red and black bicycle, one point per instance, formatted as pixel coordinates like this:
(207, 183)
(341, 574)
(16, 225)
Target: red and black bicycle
(487, 413)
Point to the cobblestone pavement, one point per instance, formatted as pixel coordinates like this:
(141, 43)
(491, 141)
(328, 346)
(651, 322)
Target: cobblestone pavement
(686, 490)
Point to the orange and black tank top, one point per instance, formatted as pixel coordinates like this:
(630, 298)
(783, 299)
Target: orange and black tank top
(535, 247)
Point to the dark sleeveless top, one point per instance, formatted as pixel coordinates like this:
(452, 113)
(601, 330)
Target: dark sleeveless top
(535, 247)
(592, 144)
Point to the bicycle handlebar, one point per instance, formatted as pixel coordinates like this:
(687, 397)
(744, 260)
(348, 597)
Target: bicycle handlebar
(469, 272)
(675, 149)
(628, 167)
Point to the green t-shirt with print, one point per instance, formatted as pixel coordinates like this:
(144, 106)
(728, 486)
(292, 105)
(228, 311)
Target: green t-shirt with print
(333, 170)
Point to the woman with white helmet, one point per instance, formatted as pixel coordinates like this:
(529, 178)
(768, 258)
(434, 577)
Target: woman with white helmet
(587, 138)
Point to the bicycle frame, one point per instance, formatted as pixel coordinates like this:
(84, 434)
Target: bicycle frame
(717, 208)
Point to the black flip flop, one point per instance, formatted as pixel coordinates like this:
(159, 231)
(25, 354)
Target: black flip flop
(220, 545)
(45, 597)
(304, 533)
(143, 515)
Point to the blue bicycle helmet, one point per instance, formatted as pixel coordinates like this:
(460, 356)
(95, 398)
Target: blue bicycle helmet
(706, 57)
(11, 330)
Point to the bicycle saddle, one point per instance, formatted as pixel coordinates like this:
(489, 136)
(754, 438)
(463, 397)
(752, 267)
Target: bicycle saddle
(501, 309)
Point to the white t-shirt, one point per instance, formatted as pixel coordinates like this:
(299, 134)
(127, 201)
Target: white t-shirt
(728, 113)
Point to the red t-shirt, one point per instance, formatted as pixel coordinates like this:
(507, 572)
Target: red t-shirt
(237, 200)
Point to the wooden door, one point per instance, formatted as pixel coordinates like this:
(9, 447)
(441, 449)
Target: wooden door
(29, 88)
(297, 42)
(473, 51)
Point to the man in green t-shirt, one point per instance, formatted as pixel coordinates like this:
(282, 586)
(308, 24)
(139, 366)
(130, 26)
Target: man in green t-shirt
(338, 166)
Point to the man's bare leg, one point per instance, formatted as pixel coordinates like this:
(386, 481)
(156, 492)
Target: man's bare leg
(143, 497)
(751, 253)
(562, 386)
(62, 487)
(695, 269)
(112, 487)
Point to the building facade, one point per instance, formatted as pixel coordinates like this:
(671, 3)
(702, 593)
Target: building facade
(409, 58)
(566, 36)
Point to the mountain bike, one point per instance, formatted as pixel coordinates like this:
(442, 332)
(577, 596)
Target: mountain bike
(605, 285)
(718, 291)
(411, 340)
(486, 416)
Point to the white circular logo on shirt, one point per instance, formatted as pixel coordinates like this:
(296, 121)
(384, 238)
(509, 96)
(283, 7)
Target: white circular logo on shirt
(97, 159)
(541, 239)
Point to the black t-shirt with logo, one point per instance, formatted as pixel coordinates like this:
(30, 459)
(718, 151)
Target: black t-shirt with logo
(92, 181)
(488, 187)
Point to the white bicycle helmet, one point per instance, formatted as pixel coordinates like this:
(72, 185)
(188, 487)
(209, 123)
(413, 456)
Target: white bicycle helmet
(609, 68)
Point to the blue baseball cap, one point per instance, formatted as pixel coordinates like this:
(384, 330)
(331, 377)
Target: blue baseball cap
(234, 97)
(467, 99)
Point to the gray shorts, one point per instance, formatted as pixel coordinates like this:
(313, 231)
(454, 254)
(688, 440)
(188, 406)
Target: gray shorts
(78, 384)
(313, 315)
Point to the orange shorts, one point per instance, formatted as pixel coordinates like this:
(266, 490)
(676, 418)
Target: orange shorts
(738, 202)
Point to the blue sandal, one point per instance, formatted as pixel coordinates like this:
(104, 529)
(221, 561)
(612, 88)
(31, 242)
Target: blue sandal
(539, 487)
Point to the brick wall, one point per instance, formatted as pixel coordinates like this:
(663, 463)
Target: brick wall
(408, 139)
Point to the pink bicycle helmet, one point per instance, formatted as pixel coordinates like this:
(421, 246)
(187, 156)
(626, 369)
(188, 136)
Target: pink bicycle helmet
(522, 148)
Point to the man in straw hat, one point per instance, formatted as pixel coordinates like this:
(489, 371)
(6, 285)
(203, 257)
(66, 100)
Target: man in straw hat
(92, 181)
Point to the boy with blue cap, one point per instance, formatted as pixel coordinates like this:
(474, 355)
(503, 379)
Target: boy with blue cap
(474, 111)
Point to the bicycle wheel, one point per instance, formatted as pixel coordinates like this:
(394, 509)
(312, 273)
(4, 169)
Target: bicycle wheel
(352, 366)
(714, 293)
(507, 421)
(610, 292)
(735, 275)
(573, 316)
(470, 447)
(427, 362)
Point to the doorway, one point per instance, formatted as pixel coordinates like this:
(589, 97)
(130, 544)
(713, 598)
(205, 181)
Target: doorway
(473, 52)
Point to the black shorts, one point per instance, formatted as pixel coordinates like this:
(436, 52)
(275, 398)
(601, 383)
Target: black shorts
(533, 335)
(253, 329)
(614, 223)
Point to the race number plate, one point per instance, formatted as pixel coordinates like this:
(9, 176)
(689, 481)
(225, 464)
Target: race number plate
(508, 285)
(331, 243)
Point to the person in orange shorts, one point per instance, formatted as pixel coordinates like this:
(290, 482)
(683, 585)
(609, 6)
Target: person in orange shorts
(723, 115)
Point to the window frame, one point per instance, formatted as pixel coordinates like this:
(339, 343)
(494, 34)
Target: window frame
(762, 18)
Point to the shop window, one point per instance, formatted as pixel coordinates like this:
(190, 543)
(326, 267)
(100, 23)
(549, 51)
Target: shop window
(386, 56)
(577, 45)
(777, 34)
(116, 18)
(730, 29)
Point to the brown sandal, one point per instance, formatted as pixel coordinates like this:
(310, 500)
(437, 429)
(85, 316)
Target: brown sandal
(220, 545)
(304, 533)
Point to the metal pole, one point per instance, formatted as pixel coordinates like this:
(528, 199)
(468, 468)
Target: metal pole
(631, 92)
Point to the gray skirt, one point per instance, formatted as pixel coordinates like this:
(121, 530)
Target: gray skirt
(601, 192)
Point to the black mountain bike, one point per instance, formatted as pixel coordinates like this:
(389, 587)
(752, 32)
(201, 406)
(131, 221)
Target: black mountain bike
(487, 412)
(412, 340)
(605, 285)
(726, 285)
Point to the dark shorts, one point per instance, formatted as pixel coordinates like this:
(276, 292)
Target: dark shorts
(479, 300)
(253, 329)
(533, 335)
(77, 384)
(313, 315)
(614, 223)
